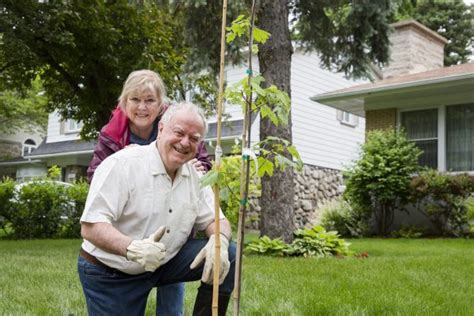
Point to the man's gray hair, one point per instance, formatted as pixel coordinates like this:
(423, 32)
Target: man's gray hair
(184, 106)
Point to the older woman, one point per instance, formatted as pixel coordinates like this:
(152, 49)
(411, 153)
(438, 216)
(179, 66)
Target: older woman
(135, 121)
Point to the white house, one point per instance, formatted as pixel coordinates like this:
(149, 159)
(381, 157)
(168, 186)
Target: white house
(13, 149)
(62, 146)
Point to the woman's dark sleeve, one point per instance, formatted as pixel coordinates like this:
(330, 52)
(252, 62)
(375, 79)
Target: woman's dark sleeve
(203, 156)
(104, 148)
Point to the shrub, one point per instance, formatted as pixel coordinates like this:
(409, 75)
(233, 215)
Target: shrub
(379, 182)
(267, 246)
(314, 242)
(38, 211)
(470, 215)
(76, 196)
(7, 188)
(317, 242)
(409, 231)
(339, 216)
(442, 198)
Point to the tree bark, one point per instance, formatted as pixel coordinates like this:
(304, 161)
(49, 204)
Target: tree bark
(277, 214)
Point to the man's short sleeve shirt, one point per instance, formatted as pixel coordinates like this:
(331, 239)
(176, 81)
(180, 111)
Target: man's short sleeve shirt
(132, 191)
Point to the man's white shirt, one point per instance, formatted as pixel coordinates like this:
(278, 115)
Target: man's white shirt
(132, 191)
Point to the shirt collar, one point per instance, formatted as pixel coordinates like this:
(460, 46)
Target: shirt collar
(157, 167)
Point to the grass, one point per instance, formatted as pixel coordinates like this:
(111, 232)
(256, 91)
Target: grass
(399, 277)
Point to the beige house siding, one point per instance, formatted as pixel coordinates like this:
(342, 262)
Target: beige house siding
(380, 119)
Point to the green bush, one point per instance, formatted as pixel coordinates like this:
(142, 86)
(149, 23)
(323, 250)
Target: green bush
(7, 188)
(38, 211)
(470, 215)
(338, 215)
(41, 209)
(317, 242)
(267, 246)
(314, 242)
(76, 196)
(443, 199)
(379, 182)
(409, 231)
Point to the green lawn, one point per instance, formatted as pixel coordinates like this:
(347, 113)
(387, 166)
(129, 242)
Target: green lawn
(399, 277)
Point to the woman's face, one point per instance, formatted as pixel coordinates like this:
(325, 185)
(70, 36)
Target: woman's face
(142, 108)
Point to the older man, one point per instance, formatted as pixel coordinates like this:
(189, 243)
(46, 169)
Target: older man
(142, 205)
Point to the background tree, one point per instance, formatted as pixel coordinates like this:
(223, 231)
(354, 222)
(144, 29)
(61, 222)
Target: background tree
(349, 35)
(23, 111)
(84, 50)
(451, 19)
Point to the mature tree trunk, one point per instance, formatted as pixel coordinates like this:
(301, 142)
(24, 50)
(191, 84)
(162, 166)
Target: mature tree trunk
(277, 215)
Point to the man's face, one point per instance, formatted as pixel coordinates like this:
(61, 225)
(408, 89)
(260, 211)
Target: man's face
(179, 138)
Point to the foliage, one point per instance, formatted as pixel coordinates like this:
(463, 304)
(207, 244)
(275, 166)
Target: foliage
(267, 246)
(451, 19)
(409, 231)
(39, 210)
(228, 181)
(379, 182)
(314, 242)
(42, 208)
(317, 242)
(470, 215)
(340, 216)
(349, 35)
(442, 198)
(7, 189)
(84, 50)
(76, 196)
(25, 111)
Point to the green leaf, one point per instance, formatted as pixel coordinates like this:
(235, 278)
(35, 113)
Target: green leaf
(209, 178)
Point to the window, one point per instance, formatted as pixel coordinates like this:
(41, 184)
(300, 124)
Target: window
(460, 137)
(28, 146)
(347, 118)
(72, 126)
(422, 128)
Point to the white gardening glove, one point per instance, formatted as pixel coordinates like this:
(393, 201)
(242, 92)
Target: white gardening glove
(207, 254)
(148, 252)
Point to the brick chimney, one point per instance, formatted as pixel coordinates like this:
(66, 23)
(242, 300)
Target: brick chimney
(414, 48)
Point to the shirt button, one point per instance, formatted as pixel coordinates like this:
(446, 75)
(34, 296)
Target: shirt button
(171, 211)
(168, 230)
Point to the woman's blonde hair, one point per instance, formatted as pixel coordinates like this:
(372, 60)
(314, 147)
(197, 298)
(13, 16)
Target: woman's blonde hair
(140, 81)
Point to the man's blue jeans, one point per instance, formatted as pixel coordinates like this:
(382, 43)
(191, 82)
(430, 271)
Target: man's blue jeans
(170, 299)
(111, 292)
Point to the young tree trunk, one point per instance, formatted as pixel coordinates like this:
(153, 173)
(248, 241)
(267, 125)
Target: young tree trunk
(277, 214)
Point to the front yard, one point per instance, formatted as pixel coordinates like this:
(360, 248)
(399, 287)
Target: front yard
(399, 277)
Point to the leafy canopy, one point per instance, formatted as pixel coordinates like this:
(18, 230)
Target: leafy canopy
(84, 50)
(23, 111)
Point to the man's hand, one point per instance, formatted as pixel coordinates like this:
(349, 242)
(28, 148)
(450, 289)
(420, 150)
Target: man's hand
(148, 252)
(207, 254)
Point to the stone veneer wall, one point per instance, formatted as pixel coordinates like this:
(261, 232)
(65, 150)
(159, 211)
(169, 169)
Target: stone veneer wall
(9, 149)
(313, 187)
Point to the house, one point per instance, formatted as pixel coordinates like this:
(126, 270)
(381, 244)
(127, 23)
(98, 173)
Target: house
(14, 149)
(434, 104)
(327, 139)
(62, 146)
